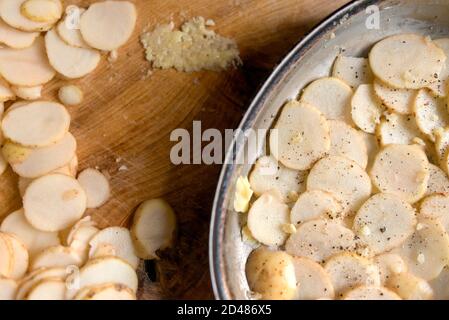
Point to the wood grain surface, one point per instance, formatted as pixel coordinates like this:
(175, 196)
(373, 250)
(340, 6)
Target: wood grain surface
(127, 116)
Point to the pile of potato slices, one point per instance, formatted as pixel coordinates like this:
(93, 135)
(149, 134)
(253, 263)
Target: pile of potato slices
(50, 249)
(353, 200)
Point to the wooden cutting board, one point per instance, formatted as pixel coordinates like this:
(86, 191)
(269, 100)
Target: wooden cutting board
(124, 123)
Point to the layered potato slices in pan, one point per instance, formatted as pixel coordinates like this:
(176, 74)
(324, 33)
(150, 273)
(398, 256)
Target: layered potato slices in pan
(357, 206)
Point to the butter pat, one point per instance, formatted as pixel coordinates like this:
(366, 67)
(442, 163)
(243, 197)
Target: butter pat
(243, 194)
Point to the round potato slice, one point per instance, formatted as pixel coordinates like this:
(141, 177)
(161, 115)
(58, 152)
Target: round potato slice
(398, 129)
(57, 256)
(6, 256)
(269, 174)
(19, 257)
(71, 62)
(441, 142)
(320, 239)
(300, 137)
(430, 113)
(71, 35)
(14, 38)
(47, 289)
(331, 96)
(37, 275)
(34, 240)
(408, 61)
(438, 181)
(370, 293)
(372, 147)
(153, 228)
(8, 288)
(70, 95)
(440, 285)
(397, 100)
(348, 271)
(26, 67)
(28, 93)
(120, 239)
(354, 71)
(11, 13)
(271, 274)
(37, 124)
(384, 221)
(105, 270)
(366, 108)
(45, 160)
(410, 287)
(96, 186)
(312, 281)
(436, 206)
(47, 11)
(108, 25)
(314, 204)
(344, 179)
(389, 264)
(110, 291)
(440, 86)
(426, 252)
(347, 142)
(54, 202)
(266, 219)
(401, 170)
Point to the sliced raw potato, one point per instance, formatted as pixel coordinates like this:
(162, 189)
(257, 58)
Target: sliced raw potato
(300, 137)
(69, 31)
(410, 287)
(440, 285)
(26, 67)
(96, 186)
(104, 250)
(331, 96)
(105, 270)
(398, 129)
(54, 202)
(37, 275)
(354, 71)
(344, 179)
(8, 288)
(6, 93)
(389, 264)
(109, 291)
(34, 240)
(371, 293)
(438, 181)
(440, 86)
(28, 93)
(271, 274)
(441, 142)
(269, 174)
(47, 11)
(426, 252)
(44, 160)
(37, 124)
(407, 61)
(153, 228)
(71, 62)
(71, 234)
(384, 221)
(312, 281)
(15, 38)
(397, 100)
(266, 219)
(402, 170)
(372, 147)
(108, 25)
(347, 142)
(320, 239)
(6, 256)
(366, 108)
(436, 206)
(11, 13)
(47, 289)
(57, 256)
(348, 271)
(80, 238)
(314, 204)
(70, 95)
(120, 239)
(430, 112)
(19, 256)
